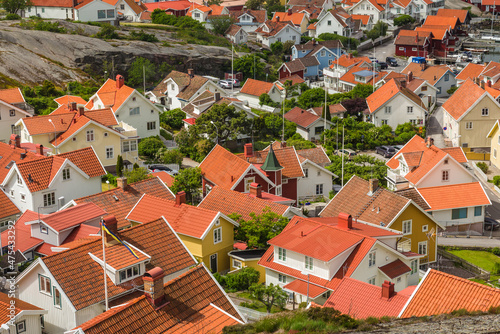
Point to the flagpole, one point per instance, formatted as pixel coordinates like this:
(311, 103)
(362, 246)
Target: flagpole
(324, 129)
(104, 260)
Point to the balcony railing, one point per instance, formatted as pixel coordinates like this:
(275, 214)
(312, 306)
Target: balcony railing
(395, 177)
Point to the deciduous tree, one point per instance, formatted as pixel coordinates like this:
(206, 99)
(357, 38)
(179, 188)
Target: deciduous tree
(188, 180)
(141, 69)
(220, 24)
(271, 295)
(14, 6)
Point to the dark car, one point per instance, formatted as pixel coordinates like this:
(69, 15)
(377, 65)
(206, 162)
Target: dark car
(383, 65)
(490, 224)
(158, 168)
(391, 61)
(386, 151)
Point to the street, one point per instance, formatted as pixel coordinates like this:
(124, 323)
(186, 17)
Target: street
(383, 51)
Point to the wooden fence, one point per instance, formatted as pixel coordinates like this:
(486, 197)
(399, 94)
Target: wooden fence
(479, 272)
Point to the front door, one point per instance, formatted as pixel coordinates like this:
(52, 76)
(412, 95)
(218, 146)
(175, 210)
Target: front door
(213, 263)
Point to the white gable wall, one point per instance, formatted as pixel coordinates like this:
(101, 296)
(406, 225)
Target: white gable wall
(7, 121)
(306, 187)
(19, 189)
(329, 24)
(399, 112)
(91, 12)
(457, 174)
(148, 113)
(62, 13)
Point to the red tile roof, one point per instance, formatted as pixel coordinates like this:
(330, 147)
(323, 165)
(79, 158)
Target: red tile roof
(432, 20)
(363, 18)
(86, 160)
(349, 75)
(272, 27)
(413, 37)
(431, 73)
(230, 201)
(439, 293)
(256, 87)
(287, 158)
(294, 78)
(6, 311)
(7, 207)
(295, 18)
(168, 5)
(165, 177)
(461, 14)
(196, 304)
(24, 241)
(70, 217)
(184, 219)
(395, 269)
(305, 289)
(456, 153)
(53, 3)
(455, 196)
(389, 90)
(119, 202)
(316, 155)
(438, 32)
(347, 60)
(111, 96)
(67, 99)
(470, 71)
(12, 95)
(84, 287)
(466, 96)
(118, 257)
(301, 117)
(41, 124)
(362, 300)
(359, 227)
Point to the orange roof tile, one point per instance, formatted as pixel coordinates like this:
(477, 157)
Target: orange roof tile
(301, 117)
(466, 96)
(230, 201)
(86, 160)
(67, 99)
(41, 124)
(6, 303)
(432, 20)
(362, 300)
(439, 293)
(316, 155)
(349, 75)
(295, 18)
(7, 207)
(294, 78)
(111, 96)
(118, 257)
(119, 202)
(196, 304)
(431, 73)
(85, 288)
(347, 60)
(412, 37)
(461, 14)
(256, 87)
(76, 215)
(493, 92)
(304, 288)
(359, 227)
(389, 90)
(470, 71)
(10, 154)
(363, 18)
(223, 168)
(184, 219)
(395, 269)
(438, 32)
(216, 10)
(456, 153)
(165, 177)
(12, 95)
(455, 196)
(287, 158)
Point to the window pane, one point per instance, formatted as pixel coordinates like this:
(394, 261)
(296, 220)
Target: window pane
(101, 14)
(478, 210)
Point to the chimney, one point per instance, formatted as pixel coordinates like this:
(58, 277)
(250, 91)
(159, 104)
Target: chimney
(423, 66)
(112, 226)
(345, 221)
(277, 18)
(482, 84)
(349, 56)
(255, 190)
(191, 72)
(410, 76)
(216, 96)
(15, 140)
(153, 287)
(120, 81)
(387, 290)
(314, 41)
(39, 149)
(283, 144)
(372, 186)
(121, 182)
(289, 11)
(180, 198)
(81, 111)
(23, 155)
(488, 84)
(73, 106)
(248, 150)
(429, 141)
(402, 83)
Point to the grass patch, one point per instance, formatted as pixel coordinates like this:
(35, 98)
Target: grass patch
(483, 259)
(106, 187)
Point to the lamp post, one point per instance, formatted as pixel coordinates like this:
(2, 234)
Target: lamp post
(55, 138)
(306, 273)
(217, 138)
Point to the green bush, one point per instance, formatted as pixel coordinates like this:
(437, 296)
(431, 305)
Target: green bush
(496, 180)
(143, 36)
(496, 269)
(240, 280)
(483, 167)
(109, 177)
(496, 251)
(403, 20)
(107, 31)
(39, 24)
(149, 147)
(166, 135)
(173, 118)
(12, 16)
(452, 90)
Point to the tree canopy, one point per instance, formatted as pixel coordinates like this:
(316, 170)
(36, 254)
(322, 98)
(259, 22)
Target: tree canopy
(188, 180)
(141, 69)
(254, 4)
(172, 118)
(221, 23)
(247, 64)
(269, 295)
(149, 147)
(14, 6)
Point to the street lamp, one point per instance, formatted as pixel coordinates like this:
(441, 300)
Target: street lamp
(55, 138)
(217, 138)
(306, 273)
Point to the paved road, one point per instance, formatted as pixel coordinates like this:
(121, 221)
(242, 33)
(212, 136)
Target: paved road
(463, 241)
(435, 126)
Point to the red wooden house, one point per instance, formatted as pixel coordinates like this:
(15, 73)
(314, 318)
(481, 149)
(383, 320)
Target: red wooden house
(410, 43)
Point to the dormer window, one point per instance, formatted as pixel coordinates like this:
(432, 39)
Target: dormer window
(66, 174)
(129, 273)
(19, 179)
(44, 229)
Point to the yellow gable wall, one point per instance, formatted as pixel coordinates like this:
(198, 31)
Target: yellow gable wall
(481, 125)
(419, 219)
(221, 248)
(495, 148)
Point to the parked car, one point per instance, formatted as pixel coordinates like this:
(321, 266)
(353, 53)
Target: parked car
(349, 154)
(373, 59)
(158, 168)
(225, 84)
(236, 82)
(397, 147)
(391, 61)
(386, 151)
(490, 224)
(383, 65)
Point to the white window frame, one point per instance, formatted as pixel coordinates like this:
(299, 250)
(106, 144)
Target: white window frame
(306, 170)
(469, 125)
(128, 275)
(23, 197)
(372, 280)
(414, 267)
(372, 259)
(237, 264)
(21, 327)
(425, 228)
(409, 109)
(282, 278)
(151, 125)
(134, 111)
(217, 235)
(319, 189)
(19, 180)
(49, 199)
(281, 254)
(110, 149)
(90, 135)
(66, 174)
(309, 263)
(57, 304)
(424, 245)
(406, 226)
(279, 190)
(485, 112)
(387, 109)
(44, 279)
(445, 175)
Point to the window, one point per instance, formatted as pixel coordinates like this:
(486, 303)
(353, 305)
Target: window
(281, 254)
(494, 153)
(409, 109)
(384, 122)
(425, 228)
(43, 10)
(414, 49)
(23, 197)
(248, 182)
(318, 173)
(309, 263)
(398, 10)
(49, 199)
(57, 298)
(319, 130)
(110, 13)
(42, 322)
(122, 7)
(12, 113)
(323, 53)
(371, 280)
(109, 153)
(329, 23)
(21, 327)
(422, 248)
(459, 213)
(327, 294)
(401, 48)
(197, 15)
(468, 125)
(278, 190)
(407, 226)
(19, 179)
(305, 70)
(306, 172)
(44, 229)
(74, 138)
(445, 175)
(101, 14)
(484, 112)
(282, 278)
(413, 266)
(105, 134)
(130, 145)
(134, 111)
(217, 235)
(446, 77)
(90, 135)
(293, 38)
(279, 39)
(371, 259)
(66, 174)
(236, 264)
(478, 211)
(387, 110)
(398, 279)
(12, 193)
(424, 88)
(287, 30)
(129, 273)
(319, 189)
(151, 125)
(44, 284)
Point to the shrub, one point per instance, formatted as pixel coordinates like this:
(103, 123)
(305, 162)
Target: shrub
(143, 36)
(39, 24)
(12, 16)
(496, 269)
(107, 31)
(173, 118)
(452, 90)
(241, 280)
(482, 166)
(496, 180)
(403, 20)
(496, 251)
(109, 177)
(148, 147)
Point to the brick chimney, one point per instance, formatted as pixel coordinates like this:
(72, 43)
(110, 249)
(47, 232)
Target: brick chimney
(72, 106)
(81, 111)
(15, 140)
(429, 141)
(410, 76)
(39, 149)
(349, 56)
(345, 221)
(248, 150)
(488, 83)
(482, 84)
(372, 186)
(120, 81)
(255, 190)
(289, 11)
(112, 225)
(277, 18)
(180, 198)
(402, 83)
(387, 290)
(121, 182)
(191, 72)
(153, 287)
(216, 96)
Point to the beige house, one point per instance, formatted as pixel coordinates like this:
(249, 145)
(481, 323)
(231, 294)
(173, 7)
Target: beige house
(494, 135)
(469, 115)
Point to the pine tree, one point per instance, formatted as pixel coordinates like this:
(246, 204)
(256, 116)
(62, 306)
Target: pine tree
(119, 166)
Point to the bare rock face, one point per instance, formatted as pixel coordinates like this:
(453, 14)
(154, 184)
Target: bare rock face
(30, 56)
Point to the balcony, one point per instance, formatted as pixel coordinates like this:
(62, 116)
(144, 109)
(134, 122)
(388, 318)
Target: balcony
(126, 130)
(396, 180)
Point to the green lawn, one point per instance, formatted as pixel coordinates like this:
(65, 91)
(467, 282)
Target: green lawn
(483, 259)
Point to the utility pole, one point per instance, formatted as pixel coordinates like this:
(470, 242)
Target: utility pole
(326, 110)
(144, 78)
